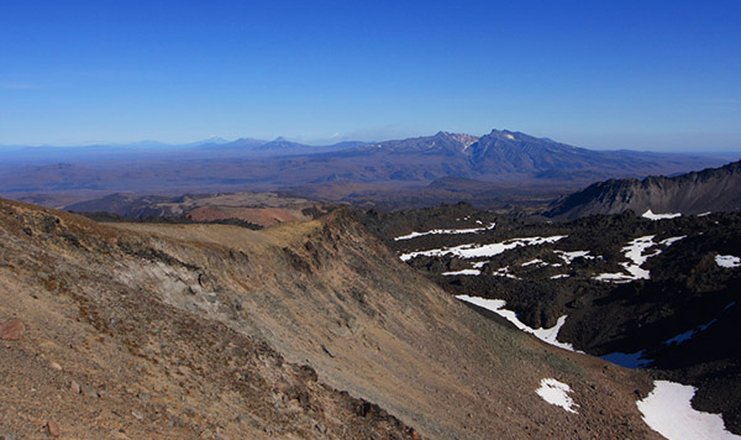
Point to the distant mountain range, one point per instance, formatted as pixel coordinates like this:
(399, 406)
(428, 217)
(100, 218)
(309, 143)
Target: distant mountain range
(710, 190)
(502, 160)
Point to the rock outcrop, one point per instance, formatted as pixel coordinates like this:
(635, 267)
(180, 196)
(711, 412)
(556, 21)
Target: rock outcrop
(710, 190)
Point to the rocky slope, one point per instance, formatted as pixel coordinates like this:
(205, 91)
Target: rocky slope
(710, 190)
(660, 294)
(309, 330)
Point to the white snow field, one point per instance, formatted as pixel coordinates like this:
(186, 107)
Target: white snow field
(446, 232)
(537, 261)
(504, 272)
(651, 216)
(569, 257)
(501, 272)
(475, 250)
(547, 335)
(667, 410)
(635, 251)
(557, 393)
(728, 261)
(472, 272)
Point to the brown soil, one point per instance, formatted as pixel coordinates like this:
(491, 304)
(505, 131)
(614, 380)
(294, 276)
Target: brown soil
(305, 330)
(258, 216)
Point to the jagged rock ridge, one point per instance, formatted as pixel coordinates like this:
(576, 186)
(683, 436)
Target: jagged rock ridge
(710, 190)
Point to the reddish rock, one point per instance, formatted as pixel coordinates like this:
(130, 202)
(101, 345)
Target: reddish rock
(74, 387)
(12, 330)
(52, 428)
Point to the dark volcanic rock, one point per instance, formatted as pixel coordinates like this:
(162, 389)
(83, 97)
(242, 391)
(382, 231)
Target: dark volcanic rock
(681, 319)
(713, 189)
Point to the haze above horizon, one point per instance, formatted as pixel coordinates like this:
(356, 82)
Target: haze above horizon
(660, 75)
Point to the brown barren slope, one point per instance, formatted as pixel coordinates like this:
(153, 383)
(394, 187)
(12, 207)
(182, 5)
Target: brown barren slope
(213, 331)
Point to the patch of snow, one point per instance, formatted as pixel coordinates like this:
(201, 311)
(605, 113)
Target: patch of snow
(636, 248)
(689, 334)
(704, 214)
(475, 250)
(557, 393)
(509, 136)
(569, 257)
(473, 272)
(727, 261)
(629, 360)
(668, 242)
(504, 272)
(547, 335)
(479, 264)
(446, 232)
(668, 411)
(537, 261)
(563, 275)
(614, 278)
(680, 338)
(635, 251)
(651, 216)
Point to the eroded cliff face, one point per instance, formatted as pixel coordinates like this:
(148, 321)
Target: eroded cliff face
(304, 330)
(711, 190)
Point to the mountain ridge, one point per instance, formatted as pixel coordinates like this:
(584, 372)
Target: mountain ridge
(224, 331)
(709, 190)
(508, 158)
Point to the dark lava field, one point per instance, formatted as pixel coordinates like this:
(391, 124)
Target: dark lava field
(654, 294)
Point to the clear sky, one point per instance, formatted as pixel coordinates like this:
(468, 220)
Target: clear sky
(649, 74)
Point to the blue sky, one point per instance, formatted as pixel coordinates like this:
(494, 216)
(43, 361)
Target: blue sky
(660, 75)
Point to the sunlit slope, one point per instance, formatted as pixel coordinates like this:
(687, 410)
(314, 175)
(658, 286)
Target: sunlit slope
(213, 321)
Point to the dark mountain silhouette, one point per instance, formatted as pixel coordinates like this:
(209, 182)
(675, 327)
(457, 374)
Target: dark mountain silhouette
(710, 190)
(280, 144)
